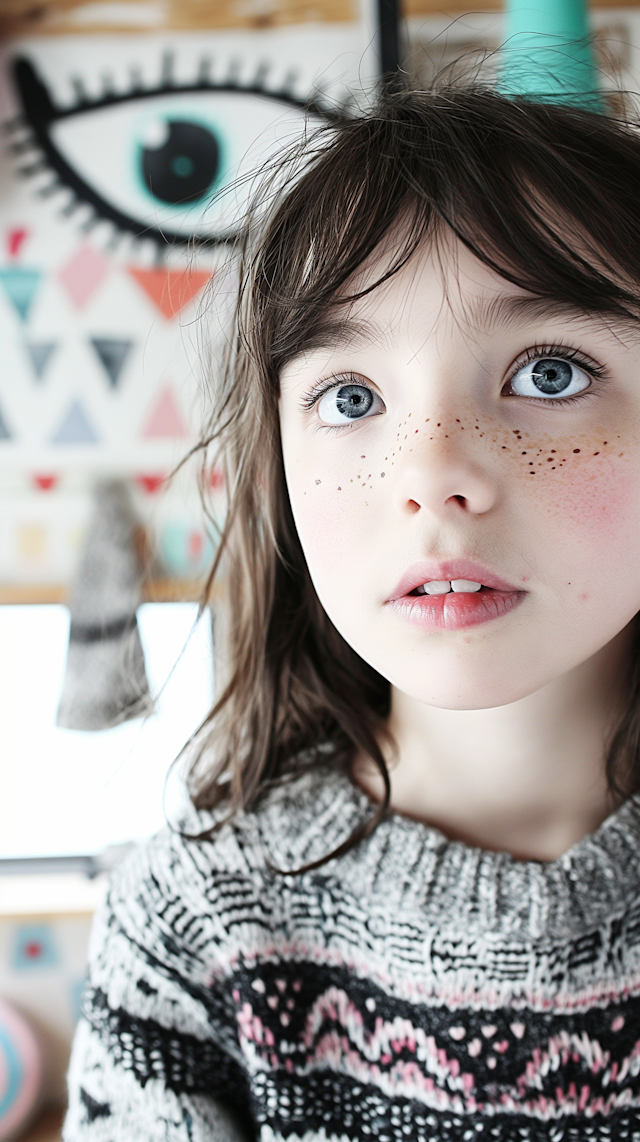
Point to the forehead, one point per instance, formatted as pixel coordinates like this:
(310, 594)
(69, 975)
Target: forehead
(440, 267)
(443, 289)
(444, 278)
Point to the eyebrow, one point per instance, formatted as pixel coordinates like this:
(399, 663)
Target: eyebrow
(511, 309)
(334, 333)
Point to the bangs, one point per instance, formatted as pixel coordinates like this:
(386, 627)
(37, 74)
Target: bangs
(545, 195)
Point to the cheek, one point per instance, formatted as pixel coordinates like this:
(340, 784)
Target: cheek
(589, 533)
(337, 513)
(335, 500)
(593, 501)
(332, 529)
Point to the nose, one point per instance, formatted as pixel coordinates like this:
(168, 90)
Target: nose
(444, 473)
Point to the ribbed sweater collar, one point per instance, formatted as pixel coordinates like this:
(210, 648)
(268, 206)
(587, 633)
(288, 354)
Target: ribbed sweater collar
(407, 864)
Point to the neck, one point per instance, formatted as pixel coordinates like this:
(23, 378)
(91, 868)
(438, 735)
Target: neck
(527, 778)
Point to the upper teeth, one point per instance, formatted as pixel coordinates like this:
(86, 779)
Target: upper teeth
(442, 586)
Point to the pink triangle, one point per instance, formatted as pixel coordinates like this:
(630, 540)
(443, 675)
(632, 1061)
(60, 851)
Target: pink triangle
(150, 482)
(45, 481)
(16, 237)
(165, 419)
(83, 274)
(216, 478)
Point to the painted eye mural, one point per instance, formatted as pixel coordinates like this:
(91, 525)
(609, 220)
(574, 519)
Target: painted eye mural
(129, 157)
(165, 153)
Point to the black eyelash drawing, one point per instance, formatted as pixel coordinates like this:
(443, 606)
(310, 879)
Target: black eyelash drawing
(179, 172)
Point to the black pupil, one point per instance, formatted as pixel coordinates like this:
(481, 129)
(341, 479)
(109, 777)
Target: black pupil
(353, 400)
(185, 167)
(552, 376)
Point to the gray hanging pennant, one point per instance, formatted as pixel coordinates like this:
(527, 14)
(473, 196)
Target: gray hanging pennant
(105, 679)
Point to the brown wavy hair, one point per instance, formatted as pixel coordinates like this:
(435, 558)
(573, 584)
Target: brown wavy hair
(547, 196)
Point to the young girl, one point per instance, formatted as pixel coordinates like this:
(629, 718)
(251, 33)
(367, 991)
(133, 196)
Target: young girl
(408, 906)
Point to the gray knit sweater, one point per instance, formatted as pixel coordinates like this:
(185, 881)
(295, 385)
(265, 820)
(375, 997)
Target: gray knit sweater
(414, 988)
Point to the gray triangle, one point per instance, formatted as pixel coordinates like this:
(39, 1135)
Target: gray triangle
(39, 355)
(113, 354)
(4, 431)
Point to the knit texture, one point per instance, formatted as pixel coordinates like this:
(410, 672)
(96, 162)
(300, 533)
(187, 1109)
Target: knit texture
(414, 988)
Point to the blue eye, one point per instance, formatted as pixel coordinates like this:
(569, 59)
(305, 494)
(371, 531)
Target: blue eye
(351, 402)
(549, 377)
(167, 155)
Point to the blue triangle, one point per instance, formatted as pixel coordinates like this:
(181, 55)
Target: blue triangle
(20, 286)
(39, 355)
(74, 427)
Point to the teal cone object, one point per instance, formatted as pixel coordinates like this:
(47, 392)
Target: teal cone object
(548, 55)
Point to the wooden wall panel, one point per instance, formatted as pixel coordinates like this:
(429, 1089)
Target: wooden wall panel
(61, 17)
(58, 17)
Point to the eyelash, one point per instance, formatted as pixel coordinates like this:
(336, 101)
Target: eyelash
(32, 133)
(566, 354)
(312, 398)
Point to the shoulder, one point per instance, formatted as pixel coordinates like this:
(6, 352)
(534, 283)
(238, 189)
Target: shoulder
(185, 870)
(165, 939)
(187, 896)
(205, 850)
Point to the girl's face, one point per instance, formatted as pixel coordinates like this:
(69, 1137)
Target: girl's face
(460, 430)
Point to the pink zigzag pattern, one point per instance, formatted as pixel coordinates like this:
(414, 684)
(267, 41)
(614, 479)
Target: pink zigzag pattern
(433, 1078)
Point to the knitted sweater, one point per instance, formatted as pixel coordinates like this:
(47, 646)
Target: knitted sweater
(414, 988)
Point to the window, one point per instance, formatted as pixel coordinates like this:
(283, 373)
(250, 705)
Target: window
(65, 792)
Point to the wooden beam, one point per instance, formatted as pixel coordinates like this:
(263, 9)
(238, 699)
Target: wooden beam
(64, 17)
(154, 591)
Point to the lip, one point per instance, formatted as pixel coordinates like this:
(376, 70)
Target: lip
(455, 610)
(428, 571)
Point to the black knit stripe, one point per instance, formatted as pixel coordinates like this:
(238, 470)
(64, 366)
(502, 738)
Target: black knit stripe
(182, 1062)
(282, 996)
(345, 1109)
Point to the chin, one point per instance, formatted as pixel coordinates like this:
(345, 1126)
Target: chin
(467, 701)
(458, 677)
(475, 691)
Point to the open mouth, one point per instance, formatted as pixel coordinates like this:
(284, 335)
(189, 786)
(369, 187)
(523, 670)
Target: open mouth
(449, 586)
(454, 604)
